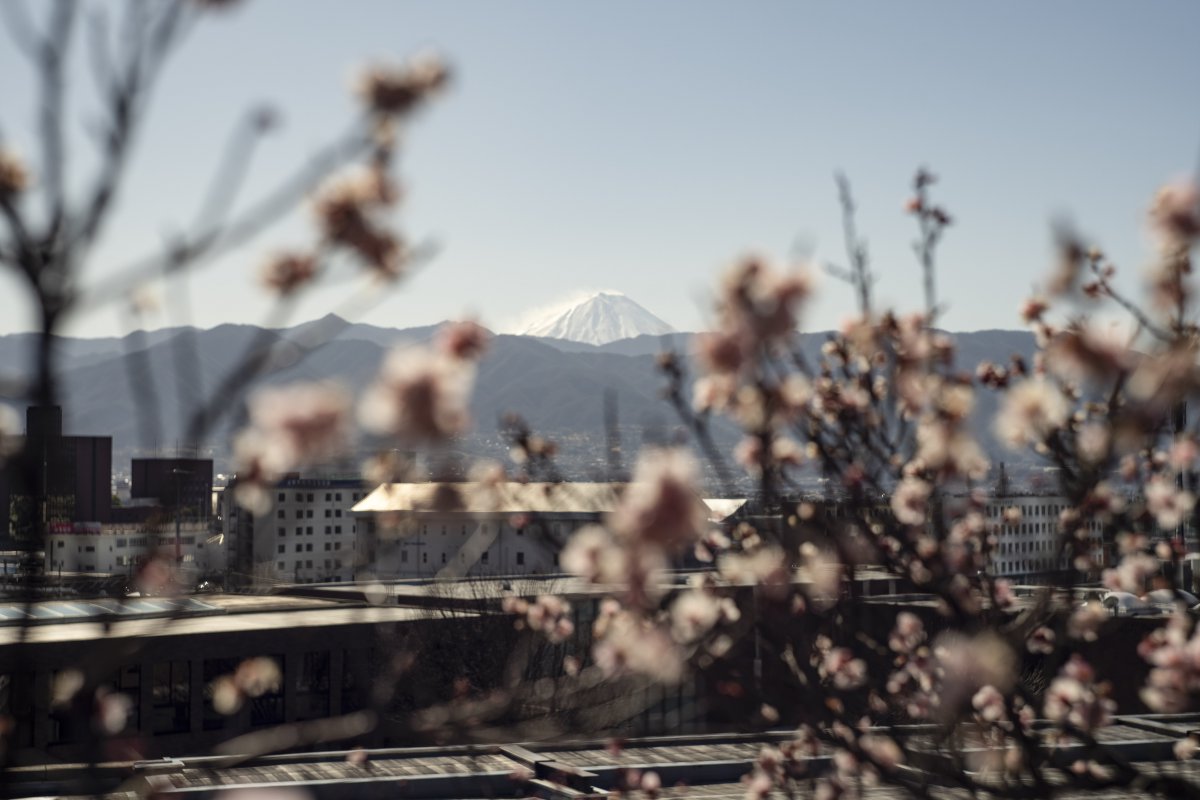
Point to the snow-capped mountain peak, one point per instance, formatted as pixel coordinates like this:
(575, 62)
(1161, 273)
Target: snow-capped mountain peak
(598, 318)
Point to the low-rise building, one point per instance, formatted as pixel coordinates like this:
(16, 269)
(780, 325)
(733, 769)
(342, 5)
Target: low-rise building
(120, 548)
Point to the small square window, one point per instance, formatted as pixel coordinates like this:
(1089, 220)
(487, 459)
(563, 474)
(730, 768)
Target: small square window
(281, 531)
(280, 513)
(299, 548)
(520, 559)
(282, 548)
(282, 497)
(308, 547)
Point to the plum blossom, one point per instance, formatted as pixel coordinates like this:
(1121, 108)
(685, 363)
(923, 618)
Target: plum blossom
(907, 634)
(946, 447)
(696, 612)
(882, 750)
(1175, 213)
(597, 556)
(720, 352)
(1085, 622)
(1169, 504)
(1074, 700)
(989, 704)
(1089, 352)
(1132, 574)
(661, 506)
(391, 90)
(764, 566)
(346, 211)
(290, 427)
(1174, 658)
(758, 304)
(1184, 452)
(844, 670)
(254, 677)
(465, 340)
(286, 273)
(1033, 308)
(966, 664)
(631, 644)
(14, 175)
(420, 395)
(304, 423)
(1040, 641)
(112, 711)
(549, 615)
(1032, 410)
(910, 501)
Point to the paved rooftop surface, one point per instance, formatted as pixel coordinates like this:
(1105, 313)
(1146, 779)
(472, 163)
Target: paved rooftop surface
(693, 766)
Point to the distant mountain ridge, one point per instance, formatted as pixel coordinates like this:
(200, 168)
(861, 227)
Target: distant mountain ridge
(598, 319)
(558, 386)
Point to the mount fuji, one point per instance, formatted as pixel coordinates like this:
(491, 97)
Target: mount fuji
(597, 319)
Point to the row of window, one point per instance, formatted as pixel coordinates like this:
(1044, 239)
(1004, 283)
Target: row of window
(308, 530)
(308, 548)
(308, 564)
(330, 497)
(307, 513)
(483, 559)
(138, 541)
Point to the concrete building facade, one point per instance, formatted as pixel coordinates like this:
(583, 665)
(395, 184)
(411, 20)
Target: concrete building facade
(454, 530)
(120, 548)
(309, 536)
(1028, 549)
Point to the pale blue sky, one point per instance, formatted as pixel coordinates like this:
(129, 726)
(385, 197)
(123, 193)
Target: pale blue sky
(640, 146)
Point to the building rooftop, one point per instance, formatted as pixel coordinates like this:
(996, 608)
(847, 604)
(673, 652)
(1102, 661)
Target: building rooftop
(709, 766)
(513, 498)
(85, 620)
(483, 498)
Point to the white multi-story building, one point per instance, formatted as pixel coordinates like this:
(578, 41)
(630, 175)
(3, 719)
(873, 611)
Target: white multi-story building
(120, 548)
(1028, 548)
(455, 530)
(308, 536)
(451, 530)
